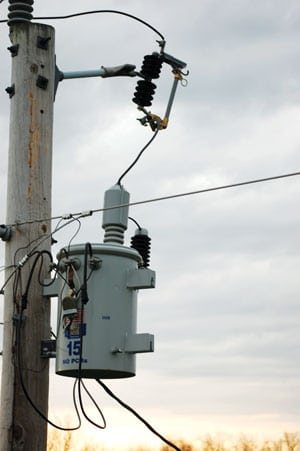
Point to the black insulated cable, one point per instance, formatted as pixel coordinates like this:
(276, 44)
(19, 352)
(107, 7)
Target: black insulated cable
(21, 378)
(137, 415)
(88, 251)
(138, 156)
(101, 11)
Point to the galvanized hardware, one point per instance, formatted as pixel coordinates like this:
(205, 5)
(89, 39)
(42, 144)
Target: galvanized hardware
(42, 82)
(43, 43)
(48, 349)
(5, 232)
(66, 263)
(13, 49)
(95, 263)
(17, 318)
(11, 91)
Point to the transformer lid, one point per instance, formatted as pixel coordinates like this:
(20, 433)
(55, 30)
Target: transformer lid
(102, 249)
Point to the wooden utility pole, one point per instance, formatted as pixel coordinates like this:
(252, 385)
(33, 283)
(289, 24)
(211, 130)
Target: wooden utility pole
(28, 199)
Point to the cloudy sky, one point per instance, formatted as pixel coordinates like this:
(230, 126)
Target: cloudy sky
(226, 309)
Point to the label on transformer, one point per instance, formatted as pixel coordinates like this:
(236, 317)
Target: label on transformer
(75, 328)
(74, 331)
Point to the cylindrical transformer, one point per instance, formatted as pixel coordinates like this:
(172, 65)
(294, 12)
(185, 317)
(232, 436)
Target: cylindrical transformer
(107, 326)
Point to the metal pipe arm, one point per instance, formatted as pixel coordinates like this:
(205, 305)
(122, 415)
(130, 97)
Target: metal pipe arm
(125, 70)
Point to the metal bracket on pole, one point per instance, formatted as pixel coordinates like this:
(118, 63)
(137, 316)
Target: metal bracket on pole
(125, 70)
(5, 232)
(48, 349)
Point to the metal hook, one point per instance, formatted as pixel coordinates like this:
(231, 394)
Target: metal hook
(185, 74)
(184, 82)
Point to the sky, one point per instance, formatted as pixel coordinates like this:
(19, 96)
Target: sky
(225, 312)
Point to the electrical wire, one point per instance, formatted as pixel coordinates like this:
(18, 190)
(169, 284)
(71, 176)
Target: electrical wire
(53, 334)
(84, 214)
(41, 240)
(38, 257)
(44, 238)
(7, 280)
(24, 297)
(19, 358)
(130, 409)
(28, 397)
(99, 426)
(4, 268)
(75, 234)
(98, 11)
(84, 300)
(135, 222)
(138, 156)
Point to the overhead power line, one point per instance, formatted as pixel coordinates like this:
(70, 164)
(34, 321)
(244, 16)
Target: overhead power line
(97, 11)
(159, 199)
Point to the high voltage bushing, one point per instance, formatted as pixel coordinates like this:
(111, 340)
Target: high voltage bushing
(145, 89)
(20, 11)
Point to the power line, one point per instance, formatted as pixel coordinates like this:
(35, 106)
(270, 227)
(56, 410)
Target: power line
(138, 156)
(137, 415)
(86, 213)
(98, 11)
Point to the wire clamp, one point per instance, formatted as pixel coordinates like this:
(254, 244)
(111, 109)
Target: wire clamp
(14, 50)
(67, 216)
(48, 349)
(11, 91)
(17, 319)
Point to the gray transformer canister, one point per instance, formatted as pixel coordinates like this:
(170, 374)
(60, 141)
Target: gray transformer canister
(109, 324)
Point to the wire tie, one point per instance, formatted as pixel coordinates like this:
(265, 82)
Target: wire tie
(23, 261)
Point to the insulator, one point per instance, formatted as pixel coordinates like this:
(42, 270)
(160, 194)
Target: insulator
(20, 11)
(144, 92)
(114, 234)
(141, 242)
(115, 219)
(151, 66)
